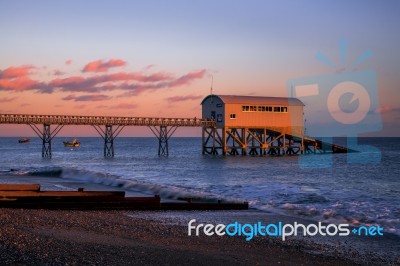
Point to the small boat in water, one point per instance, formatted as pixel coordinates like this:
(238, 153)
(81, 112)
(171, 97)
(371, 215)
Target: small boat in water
(24, 140)
(73, 143)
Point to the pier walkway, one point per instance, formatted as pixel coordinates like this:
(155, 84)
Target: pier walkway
(252, 141)
(109, 127)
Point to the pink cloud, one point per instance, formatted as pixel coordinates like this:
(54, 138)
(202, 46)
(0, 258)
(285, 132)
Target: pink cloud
(141, 82)
(6, 100)
(104, 82)
(69, 97)
(16, 72)
(133, 83)
(135, 76)
(68, 62)
(58, 72)
(103, 66)
(84, 98)
(17, 79)
(148, 67)
(184, 98)
(185, 79)
(66, 82)
(22, 84)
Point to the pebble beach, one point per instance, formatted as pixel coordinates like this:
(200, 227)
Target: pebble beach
(68, 237)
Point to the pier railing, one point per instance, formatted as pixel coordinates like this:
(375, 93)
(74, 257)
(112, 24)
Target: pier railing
(102, 120)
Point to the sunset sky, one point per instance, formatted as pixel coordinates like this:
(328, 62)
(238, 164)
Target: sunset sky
(156, 58)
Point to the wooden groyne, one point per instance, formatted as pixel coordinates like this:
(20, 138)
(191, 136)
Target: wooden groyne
(30, 196)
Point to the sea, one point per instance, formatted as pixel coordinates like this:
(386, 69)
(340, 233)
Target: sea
(336, 190)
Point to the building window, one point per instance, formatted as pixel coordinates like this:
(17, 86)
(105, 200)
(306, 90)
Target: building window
(262, 108)
(232, 116)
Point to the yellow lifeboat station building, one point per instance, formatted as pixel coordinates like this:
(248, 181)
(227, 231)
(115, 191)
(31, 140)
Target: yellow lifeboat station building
(257, 126)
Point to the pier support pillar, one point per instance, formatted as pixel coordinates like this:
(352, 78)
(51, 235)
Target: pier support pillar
(203, 139)
(108, 135)
(224, 141)
(213, 141)
(163, 141)
(46, 135)
(108, 142)
(46, 142)
(163, 134)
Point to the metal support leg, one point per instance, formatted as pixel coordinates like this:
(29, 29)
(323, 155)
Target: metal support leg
(108, 136)
(46, 138)
(108, 142)
(224, 141)
(203, 138)
(46, 135)
(214, 150)
(163, 141)
(244, 141)
(163, 134)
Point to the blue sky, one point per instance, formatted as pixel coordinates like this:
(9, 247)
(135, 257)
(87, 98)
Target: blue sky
(250, 47)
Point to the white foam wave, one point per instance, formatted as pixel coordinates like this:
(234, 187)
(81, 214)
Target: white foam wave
(165, 191)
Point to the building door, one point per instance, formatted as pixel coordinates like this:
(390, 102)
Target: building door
(213, 115)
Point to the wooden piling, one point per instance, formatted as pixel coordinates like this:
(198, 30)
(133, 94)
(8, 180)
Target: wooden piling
(19, 187)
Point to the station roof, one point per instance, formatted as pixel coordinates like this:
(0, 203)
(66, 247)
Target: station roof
(260, 100)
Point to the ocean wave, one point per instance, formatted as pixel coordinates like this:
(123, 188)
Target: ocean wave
(44, 172)
(335, 214)
(165, 191)
(308, 205)
(311, 198)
